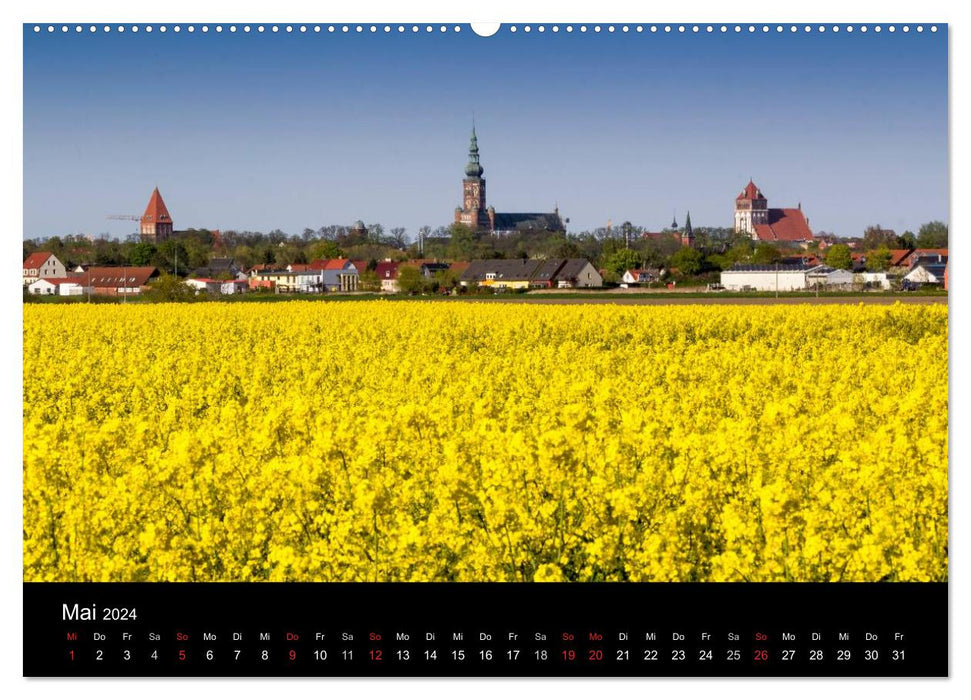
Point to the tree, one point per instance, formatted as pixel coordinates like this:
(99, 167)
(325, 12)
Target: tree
(171, 288)
(932, 235)
(622, 260)
(908, 240)
(766, 254)
(462, 245)
(878, 260)
(399, 237)
(324, 250)
(688, 261)
(410, 279)
(878, 237)
(839, 256)
(368, 280)
(141, 254)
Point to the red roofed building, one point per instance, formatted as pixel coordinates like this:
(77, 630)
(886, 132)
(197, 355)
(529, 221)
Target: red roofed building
(41, 265)
(753, 216)
(156, 221)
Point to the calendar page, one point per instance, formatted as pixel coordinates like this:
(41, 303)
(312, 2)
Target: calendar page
(302, 396)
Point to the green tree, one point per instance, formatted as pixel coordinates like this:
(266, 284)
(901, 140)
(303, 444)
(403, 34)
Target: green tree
(171, 288)
(932, 235)
(618, 262)
(410, 279)
(766, 254)
(688, 261)
(908, 240)
(368, 280)
(462, 245)
(839, 256)
(878, 260)
(141, 254)
(324, 250)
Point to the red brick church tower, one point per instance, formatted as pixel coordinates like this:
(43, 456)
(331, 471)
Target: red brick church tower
(156, 222)
(473, 212)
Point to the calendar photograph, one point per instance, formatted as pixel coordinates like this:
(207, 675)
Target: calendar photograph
(277, 328)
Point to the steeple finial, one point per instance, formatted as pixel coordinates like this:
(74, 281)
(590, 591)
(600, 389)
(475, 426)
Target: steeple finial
(674, 220)
(472, 168)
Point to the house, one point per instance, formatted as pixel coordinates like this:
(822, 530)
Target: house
(823, 276)
(42, 265)
(501, 274)
(873, 279)
(640, 276)
(45, 286)
(220, 269)
(765, 278)
(387, 272)
(214, 286)
(577, 273)
(113, 281)
(562, 273)
(927, 273)
(339, 274)
(298, 277)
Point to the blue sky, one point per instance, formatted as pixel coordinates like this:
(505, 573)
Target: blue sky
(263, 131)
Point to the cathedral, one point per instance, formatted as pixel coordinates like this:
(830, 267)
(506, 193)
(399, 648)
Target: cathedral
(475, 214)
(753, 216)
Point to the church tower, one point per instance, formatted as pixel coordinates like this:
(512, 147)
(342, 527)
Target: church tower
(687, 235)
(156, 224)
(473, 211)
(751, 208)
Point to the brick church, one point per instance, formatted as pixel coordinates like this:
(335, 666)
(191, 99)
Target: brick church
(753, 216)
(475, 214)
(156, 224)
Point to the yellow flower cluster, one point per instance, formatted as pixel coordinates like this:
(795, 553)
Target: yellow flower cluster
(462, 441)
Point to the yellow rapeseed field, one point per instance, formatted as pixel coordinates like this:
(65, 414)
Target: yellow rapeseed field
(451, 441)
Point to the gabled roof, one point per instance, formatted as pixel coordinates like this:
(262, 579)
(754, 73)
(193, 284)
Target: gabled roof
(387, 270)
(542, 221)
(784, 225)
(118, 276)
(35, 260)
(751, 191)
(898, 256)
(155, 211)
(571, 268)
(331, 264)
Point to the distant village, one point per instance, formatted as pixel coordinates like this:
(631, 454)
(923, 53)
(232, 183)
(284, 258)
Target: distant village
(484, 251)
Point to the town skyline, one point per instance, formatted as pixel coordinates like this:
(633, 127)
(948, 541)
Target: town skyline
(384, 139)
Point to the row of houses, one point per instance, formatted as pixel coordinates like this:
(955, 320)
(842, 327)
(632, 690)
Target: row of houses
(802, 276)
(44, 274)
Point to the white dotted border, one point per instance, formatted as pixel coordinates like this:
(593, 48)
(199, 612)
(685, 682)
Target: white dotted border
(512, 29)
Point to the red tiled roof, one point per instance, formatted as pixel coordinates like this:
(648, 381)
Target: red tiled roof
(784, 225)
(156, 211)
(920, 252)
(898, 256)
(387, 270)
(751, 191)
(35, 260)
(660, 235)
(459, 266)
(331, 264)
(117, 276)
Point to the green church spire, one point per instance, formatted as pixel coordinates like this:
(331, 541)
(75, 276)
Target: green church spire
(472, 168)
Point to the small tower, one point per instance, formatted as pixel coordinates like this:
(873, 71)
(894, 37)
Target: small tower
(156, 224)
(674, 221)
(687, 236)
(751, 209)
